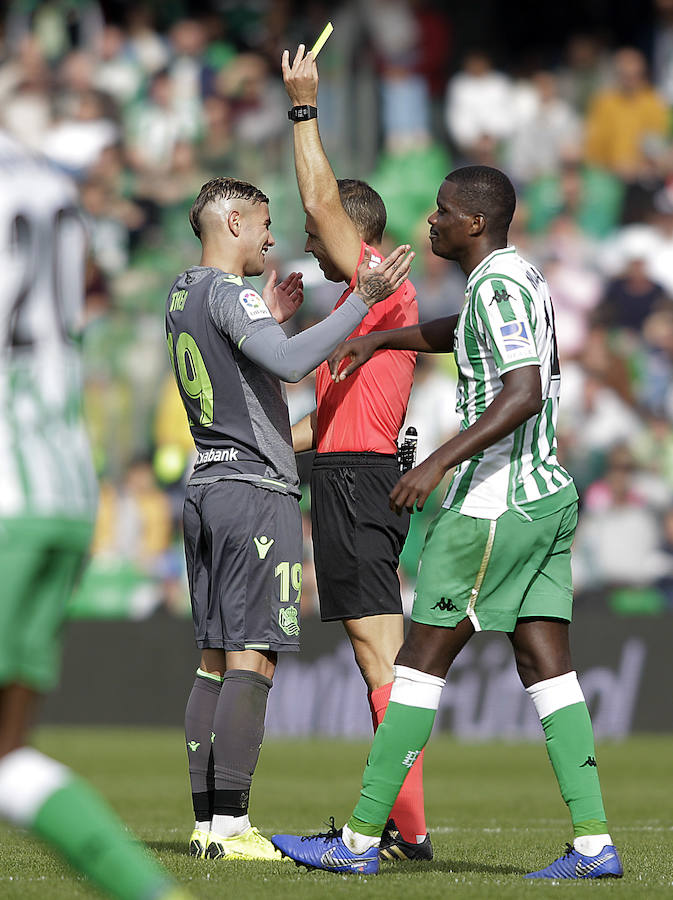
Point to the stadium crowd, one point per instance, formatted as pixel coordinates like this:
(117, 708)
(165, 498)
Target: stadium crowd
(143, 103)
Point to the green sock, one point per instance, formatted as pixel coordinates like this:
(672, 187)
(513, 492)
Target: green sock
(77, 822)
(570, 745)
(398, 741)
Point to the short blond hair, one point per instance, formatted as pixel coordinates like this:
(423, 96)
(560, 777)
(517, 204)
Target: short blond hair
(222, 188)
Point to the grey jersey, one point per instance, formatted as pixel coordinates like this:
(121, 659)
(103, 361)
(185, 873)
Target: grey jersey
(237, 410)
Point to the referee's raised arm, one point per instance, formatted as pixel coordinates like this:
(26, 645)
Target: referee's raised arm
(327, 221)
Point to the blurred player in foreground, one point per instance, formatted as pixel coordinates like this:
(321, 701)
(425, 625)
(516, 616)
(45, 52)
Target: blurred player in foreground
(357, 539)
(242, 524)
(497, 556)
(47, 507)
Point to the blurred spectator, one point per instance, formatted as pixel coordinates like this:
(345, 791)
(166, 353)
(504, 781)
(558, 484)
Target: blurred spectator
(479, 106)
(216, 146)
(657, 362)
(135, 521)
(405, 101)
(108, 234)
(653, 448)
(627, 121)
(58, 25)
(146, 46)
(658, 46)
(25, 94)
(586, 70)
(629, 298)
(591, 196)
(593, 418)
(545, 128)
(259, 111)
(568, 259)
(80, 134)
(155, 126)
(117, 73)
(618, 540)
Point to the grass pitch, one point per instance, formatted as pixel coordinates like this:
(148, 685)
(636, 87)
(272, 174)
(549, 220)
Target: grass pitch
(493, 810)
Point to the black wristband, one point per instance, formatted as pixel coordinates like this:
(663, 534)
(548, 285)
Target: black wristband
(302, 113)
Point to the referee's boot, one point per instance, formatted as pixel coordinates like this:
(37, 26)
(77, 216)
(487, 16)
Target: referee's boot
(393, 847)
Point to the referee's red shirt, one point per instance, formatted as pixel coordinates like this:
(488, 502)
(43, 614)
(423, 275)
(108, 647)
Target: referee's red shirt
(366, 411)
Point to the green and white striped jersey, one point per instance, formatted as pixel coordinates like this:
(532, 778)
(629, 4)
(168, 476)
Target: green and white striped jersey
(508, 322)
(45, 459)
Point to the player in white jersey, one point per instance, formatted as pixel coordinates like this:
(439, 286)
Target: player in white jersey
(47, 506)
(497, 556)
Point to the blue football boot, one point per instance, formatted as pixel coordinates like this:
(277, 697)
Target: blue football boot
(327, 851)
(573, 864)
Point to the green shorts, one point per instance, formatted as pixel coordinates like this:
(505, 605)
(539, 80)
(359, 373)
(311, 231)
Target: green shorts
(495, 571)
(40, 561)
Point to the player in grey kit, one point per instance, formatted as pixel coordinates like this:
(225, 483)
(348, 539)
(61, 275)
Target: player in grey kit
(242, 526)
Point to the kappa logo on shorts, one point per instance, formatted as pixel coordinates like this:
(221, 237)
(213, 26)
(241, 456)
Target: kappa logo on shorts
(263, 544)
(445, 604)
(590, 761)
(288, 619)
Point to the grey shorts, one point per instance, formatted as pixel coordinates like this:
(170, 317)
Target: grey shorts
(243, 546)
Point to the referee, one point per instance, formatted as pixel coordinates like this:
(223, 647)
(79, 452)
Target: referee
(357, 539)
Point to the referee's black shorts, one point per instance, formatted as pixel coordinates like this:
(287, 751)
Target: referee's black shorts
(357, 539)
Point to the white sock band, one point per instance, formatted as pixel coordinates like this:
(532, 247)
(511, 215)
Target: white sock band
(356, 842)
(412, 687)
(27, 780)
(555, 693)
(591, 844)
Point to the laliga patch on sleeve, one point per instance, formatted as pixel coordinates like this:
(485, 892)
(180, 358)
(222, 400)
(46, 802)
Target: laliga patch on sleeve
(253, 304)
(516, 341)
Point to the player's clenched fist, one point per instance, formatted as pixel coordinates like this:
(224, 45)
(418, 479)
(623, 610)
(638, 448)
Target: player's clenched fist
(301, 78)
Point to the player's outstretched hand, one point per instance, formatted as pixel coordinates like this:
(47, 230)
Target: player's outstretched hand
(375, 284)
(284, 299)
(416, 485)
(301, 78)
(357, 351)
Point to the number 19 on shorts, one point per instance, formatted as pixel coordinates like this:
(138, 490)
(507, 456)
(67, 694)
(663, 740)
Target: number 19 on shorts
(290, 581)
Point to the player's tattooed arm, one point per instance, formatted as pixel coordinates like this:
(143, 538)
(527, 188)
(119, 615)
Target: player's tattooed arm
(375, 284)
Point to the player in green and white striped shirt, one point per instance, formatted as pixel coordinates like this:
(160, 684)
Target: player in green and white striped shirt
(497, 556)
(507, 323)
(47, 506)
